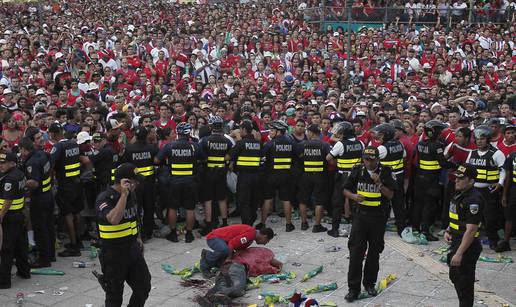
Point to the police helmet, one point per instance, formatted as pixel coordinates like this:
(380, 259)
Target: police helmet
(398, 124)
(483, 131)
(279, 125)
(433, 128)
(387, 130)
(344, 128)
(183, 128)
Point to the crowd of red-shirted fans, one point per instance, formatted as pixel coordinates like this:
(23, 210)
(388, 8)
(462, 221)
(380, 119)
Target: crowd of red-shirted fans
(156, 64)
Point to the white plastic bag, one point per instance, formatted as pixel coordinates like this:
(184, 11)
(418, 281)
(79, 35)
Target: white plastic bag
(232, 181)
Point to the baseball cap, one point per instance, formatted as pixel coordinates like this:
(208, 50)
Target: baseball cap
(40, 91)
(6, 157)
(127, 171)
(371, 153)
(83, 137)
(466, 171)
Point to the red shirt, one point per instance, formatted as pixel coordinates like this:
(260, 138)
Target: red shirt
(257, 260)
(459, 155)
(506, 149)
(170, 124)
(238, 236)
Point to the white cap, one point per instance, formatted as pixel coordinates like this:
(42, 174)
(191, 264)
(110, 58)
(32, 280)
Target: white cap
(83, 137)
(3, 41)
(93, 86)
(490, 64)
(427, 65)
(267, 54)
(8, 32)
(331, 104)
(336, 34)
(7, 91)
(187, 76)
(40, 91)
(130, 28)
(361, 113)
(435, 105)
(59, 55)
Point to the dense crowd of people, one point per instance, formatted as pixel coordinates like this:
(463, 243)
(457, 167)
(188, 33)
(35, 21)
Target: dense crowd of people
(251, 96)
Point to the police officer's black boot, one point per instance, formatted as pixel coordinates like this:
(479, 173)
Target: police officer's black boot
(334, 231)
(189, 237)
(351, 296)
(172, 236)
(206, 229)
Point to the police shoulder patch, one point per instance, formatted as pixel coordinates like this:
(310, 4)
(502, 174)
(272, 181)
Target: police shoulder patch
(474, 208)
(439, 150)
(7, 186)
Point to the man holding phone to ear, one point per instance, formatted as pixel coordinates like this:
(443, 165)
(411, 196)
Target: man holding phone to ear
(121, 256)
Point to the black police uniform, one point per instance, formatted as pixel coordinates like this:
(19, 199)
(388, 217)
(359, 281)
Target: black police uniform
(37, 167)
(15, 242)
(142, 156)
(214, 149)
(430, 162)
(348, 153)
(368, 229)
(279, 155)
(121, 256)
(105, 161)
(181, 156)
(465, 208)
(312, 154)
(510, 171)
(246, 157)
(394, 158)
(65, 158)
(488, 173)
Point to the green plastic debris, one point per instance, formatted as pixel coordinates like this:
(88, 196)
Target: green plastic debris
(441, 250)
(498, 259)
(93, 252)
(46, 271)
(280, 276)
(391, 227)
(185, 273)
(444, 258)
(271, 297)
(321, 288)
(253, 283)
(312, 273)
(328, 304)
(413, 237)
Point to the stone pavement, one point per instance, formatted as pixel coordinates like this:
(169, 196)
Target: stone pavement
(422, 280)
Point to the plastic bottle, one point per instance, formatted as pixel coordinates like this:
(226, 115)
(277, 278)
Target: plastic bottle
(19, 298)
(81, 264)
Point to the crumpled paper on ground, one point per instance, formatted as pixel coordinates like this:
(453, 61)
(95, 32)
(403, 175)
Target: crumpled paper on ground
(382, 285)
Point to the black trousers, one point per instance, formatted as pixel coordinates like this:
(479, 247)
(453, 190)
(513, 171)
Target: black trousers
(125, 264)
(249, 195)
(463, 276)
(367, 234)
(146, 197)
(14, 246)
(338, 199)
(43, 220)
(493, 213)
(427, 196)
(398, 204)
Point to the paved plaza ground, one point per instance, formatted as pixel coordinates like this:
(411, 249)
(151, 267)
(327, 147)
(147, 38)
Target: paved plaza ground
(421, 279)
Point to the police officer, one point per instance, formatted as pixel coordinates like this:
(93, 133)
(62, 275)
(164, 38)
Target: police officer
(36, 165)
(465, 214)
(429, 163)
(141, 154)
(509, 199)
(12, 200)
(312, 154)
(245, 161)
(121, 255)
(392, 154)
(279, 154)
(215, 152)
(489, 163)
(181, 155)
(66, 158)
(346, 153)
(371, 186)
(104, 159)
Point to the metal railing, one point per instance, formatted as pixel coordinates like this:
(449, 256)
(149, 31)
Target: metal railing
(400, 14)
